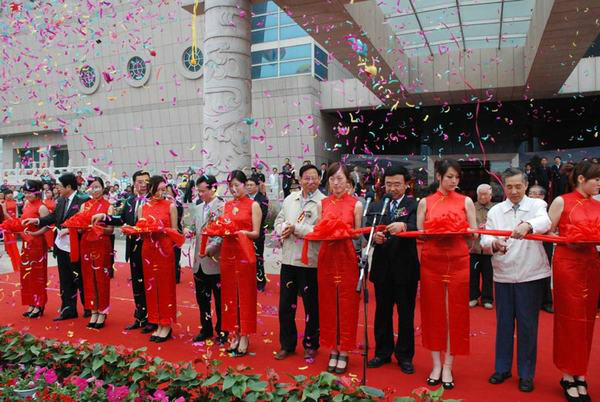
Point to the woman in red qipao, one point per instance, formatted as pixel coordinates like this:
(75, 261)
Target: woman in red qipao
(159, 260)
(9, 206)
(445, 272)
(337, 273)
(576, 279)
(34, 253)
(238, 275)
(96, 256)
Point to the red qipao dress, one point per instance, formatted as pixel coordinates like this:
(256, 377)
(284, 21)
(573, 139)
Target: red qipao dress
(158, 255)
(34, 261)
(576, 287)
(445, 267)
(337, 275)
(238, 275)
(96, 259)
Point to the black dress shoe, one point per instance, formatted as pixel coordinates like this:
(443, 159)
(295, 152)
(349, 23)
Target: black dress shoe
(498, 378)
(378, 361)
(406, 366)
(149, 328)
(282, 354)
(201, 337)
(66, 316)
(135, 325)
(548, 308)
(525, 385)
(87, 313)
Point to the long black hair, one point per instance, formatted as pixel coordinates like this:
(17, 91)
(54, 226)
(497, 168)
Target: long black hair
(155, 181)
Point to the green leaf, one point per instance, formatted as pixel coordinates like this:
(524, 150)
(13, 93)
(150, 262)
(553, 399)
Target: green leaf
(437, 394)
(238, 390)
(228, 383)
(138, 375)
(404, 399)
(212, 380)
(258, 386)
(299, 378)
(36, 350)
(97, 363)
(371, 391)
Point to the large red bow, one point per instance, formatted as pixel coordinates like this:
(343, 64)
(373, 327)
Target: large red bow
(446, 224)
(226, 227)
(588, 232)
(145, 227)
(327, 229)
(10, 227)
(80, 221)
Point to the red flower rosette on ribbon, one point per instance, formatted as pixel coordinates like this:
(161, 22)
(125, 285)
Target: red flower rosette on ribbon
(447, 224)
(584, 233)
(145, 227)
(327, 229)
(226, 227)
(80, 221)
(10, 227)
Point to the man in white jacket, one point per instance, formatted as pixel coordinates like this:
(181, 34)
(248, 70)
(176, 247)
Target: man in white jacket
(295, 220)
(520, 267)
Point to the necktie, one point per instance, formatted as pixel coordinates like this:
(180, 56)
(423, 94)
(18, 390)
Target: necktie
(393, 208)
(67, 206)
(515, 208)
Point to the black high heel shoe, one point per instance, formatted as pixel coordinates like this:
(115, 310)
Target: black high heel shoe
(161, 339)
(447, 385)
(233, 349)
(583, 397)
(434, 381)
(99, 325)
(37, 314)
(26, 314)
(566, 385)
(333, 356)
(241, 353)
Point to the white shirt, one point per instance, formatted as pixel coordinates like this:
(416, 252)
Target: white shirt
(62, 240)
(525, 260)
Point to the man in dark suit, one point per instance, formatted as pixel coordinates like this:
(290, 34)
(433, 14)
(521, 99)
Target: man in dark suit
(133, 248)
(252, 186)
(69, 273)
(395, 273)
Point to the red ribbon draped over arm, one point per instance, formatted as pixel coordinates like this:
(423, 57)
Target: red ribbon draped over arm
(226, 227)
(12, 226)
(79, 221)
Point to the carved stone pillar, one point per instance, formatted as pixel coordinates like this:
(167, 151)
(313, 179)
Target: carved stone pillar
(227, 86)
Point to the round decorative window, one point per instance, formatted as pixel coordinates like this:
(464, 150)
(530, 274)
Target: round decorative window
(138, 71)
(193, 64)
(89, 79)
(136, 68)
(87, 76)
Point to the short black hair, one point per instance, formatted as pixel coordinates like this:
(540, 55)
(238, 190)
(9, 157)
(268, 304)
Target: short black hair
(140, 173)
(209, 179)
(308, 167)
(442, 166)
(254, 179)
(96, 178)
(395, 171)
(7, 191)
(68, 179)
(237, 175)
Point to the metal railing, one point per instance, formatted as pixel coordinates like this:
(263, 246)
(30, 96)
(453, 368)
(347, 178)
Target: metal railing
(19, 174)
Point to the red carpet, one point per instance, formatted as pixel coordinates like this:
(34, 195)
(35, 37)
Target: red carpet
(470, 372)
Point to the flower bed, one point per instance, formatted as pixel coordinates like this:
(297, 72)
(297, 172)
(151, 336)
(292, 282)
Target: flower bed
(61, 371)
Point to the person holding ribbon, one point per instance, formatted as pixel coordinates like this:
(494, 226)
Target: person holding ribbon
(157, 220)
(445, 271)
(33, 271)
(238, 265)
(96, 249)
(576, 278)
(337, 272)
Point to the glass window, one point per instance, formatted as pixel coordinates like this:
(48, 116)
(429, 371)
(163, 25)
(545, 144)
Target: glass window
(478, 12)
(320, 55)
(263, 8)
(520, 27)
(87, 76)
(521, 8)
(265, 35)
(264, 56)
(445, 16)
(192, 64)
(293, 31)
(136, 68)
(320, 70)
(404, 23)
(264, 21)
(295, 52)
(285, 19)
(264, 71)
(294, 67)
(474, 31)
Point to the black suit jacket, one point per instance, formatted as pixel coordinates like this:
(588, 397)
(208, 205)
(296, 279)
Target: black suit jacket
(58, 217)
(263, 201)
(397, 256)
(127, 217)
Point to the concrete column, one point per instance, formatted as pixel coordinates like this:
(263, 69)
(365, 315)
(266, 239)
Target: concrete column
(227, 86)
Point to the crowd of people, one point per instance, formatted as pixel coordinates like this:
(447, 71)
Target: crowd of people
(325, 273)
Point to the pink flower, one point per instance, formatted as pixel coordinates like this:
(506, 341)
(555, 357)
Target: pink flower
(50, 377)
(79, 382)
(117, 394)
(160, 396)
(38, 372)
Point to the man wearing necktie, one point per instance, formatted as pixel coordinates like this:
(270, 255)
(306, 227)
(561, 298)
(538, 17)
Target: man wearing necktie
(69, 273)
(395, 274)
(133, 248)
(520, 269)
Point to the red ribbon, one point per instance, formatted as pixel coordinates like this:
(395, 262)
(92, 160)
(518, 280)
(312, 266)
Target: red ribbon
(331, 229)
(10, 227)
(145, 227)
(226, 227)
(80, 221)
